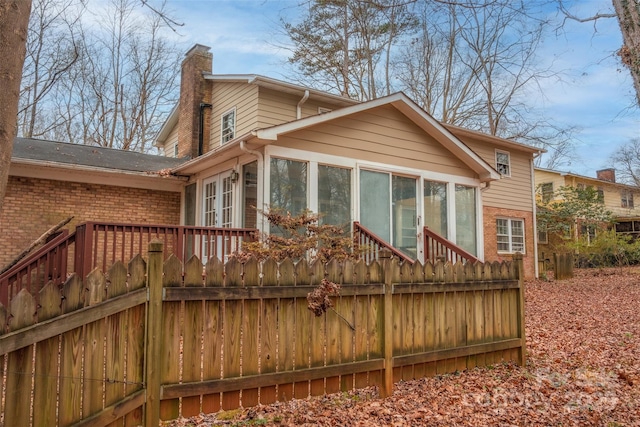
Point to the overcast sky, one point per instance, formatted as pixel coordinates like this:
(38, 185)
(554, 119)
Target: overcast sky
(594, 94)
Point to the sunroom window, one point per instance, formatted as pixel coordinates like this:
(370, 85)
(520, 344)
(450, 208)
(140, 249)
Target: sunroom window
(435, 207)
(466, 218)
(334, 196)
(288, 185)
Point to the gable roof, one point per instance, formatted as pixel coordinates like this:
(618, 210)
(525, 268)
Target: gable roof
(26, 150)
(410, 109)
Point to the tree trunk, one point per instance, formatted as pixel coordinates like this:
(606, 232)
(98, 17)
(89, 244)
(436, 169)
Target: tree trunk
(14, 21)
(628, 12)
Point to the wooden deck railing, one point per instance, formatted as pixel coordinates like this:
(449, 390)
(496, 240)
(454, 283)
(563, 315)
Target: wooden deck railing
(370, 244)
(48, 263)
(437, 247)
(100, 244)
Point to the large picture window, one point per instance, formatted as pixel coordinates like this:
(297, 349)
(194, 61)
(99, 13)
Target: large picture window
(510, 235)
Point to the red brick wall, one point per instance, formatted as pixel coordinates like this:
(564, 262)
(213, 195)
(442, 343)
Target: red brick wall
(32, 206)
(490, 237)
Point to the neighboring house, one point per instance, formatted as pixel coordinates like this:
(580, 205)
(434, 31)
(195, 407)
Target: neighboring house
(622, 200)
(254, 142)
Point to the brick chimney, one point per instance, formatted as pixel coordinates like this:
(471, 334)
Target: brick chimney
(607, 174)
(193, 92)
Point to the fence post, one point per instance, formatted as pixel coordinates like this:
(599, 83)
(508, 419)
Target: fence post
(517, 258)
(154, 333)
(387, 340)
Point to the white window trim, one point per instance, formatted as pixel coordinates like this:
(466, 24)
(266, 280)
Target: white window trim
(510, 235)
(235, 121)
(508, 174)
(357, 165)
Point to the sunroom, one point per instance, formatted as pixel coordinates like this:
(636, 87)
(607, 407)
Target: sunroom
(384, 169)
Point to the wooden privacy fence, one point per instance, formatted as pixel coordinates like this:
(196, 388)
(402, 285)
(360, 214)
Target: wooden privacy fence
(205, 338)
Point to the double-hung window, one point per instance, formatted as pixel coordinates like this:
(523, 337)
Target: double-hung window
(510, 235)
(228, 126)
(503, 163)
(626, 199)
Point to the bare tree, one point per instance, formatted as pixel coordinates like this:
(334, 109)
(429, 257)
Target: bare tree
(51, 51)
(627, 162)
(14, 21)
(119, 90)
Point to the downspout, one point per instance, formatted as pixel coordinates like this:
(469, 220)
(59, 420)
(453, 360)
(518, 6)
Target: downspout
(536, 271)
(260, 195)
(299, 106)
(201, 132)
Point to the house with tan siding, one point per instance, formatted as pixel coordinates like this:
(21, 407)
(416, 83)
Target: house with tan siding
(622, 200)
(385, 164)
(236, 145)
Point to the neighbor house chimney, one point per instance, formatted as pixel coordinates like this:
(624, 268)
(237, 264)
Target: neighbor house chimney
(607, 175)
(193, 93)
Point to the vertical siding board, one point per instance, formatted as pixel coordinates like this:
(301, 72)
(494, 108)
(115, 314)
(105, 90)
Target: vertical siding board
(286, 322)
(192, 335)
(170, 357)
(346, 307)
(71, 349)
(232, 324)
(20, 363)
(302, 347)
(212, 335)
(45, 382)
(251, 330)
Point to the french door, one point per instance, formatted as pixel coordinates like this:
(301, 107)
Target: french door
(388, 208)
(217, 211)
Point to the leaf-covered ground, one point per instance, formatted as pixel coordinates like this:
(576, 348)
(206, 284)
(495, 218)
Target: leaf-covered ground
(583, 368)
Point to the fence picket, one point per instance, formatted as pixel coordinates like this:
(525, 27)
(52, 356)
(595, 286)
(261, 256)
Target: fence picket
(94, 337)
(46, 363)
(20, 363)
(251, 332)
(172, 358)
(269, 330)
(135, 338)
(192, 335)
(232, 324)
(212, 335)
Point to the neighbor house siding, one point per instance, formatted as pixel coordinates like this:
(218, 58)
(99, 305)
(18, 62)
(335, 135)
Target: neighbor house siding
(225, 96)
(542, 177)
(382, 135)
(32, 206)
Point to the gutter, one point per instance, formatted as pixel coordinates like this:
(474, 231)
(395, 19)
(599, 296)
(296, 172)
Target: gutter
(300, 103)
